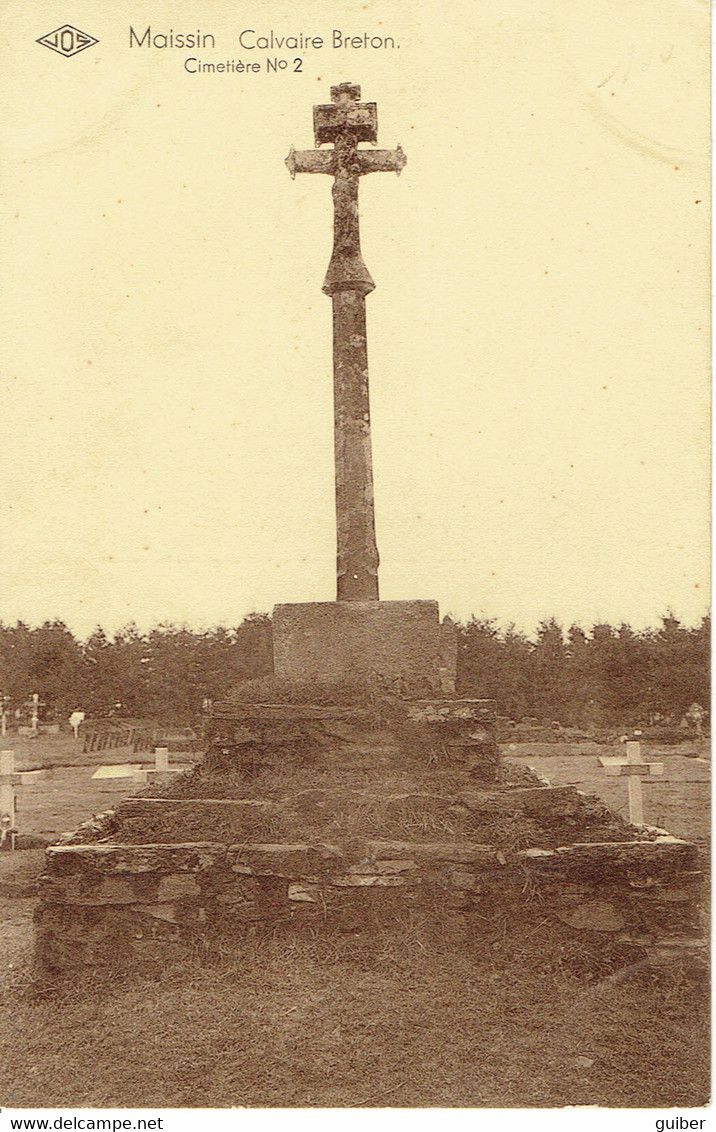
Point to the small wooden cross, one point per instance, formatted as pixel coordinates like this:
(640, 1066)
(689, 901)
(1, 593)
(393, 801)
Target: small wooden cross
(634, 767)
(9, 779)
(117, 773)
(33, 705)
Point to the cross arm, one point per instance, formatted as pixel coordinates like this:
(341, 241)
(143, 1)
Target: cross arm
(618, 767)
(309, 161)
(381, 160)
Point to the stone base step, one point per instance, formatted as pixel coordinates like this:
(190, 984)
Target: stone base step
(107, 903)
(639, 865)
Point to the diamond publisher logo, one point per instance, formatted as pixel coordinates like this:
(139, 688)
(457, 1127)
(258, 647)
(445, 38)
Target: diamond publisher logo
(67, 40)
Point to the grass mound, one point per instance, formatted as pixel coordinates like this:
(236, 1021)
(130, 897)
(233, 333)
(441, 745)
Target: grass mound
(406, 1014)
(345, 804)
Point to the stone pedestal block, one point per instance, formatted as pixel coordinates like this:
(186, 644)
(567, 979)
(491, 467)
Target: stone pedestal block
(332, 641)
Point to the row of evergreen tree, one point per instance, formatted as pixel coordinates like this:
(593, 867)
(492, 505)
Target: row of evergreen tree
(607, 676)
(164, 674)
(604, 676)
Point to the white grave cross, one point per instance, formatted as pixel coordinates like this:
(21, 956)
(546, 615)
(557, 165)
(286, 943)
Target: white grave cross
(9, 779)
(7, 797)
(635, 769)
(161, 771)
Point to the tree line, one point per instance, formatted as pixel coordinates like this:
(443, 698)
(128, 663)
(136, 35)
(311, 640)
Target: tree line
(604, 676)
(166, 674)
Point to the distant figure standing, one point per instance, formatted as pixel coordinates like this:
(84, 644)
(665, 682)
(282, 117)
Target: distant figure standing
(76, 718)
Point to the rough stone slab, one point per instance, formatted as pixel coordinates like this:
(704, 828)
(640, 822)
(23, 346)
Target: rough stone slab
(304, 893)
(194, 857)
(374, 881)
(95, 889)
(451, 711)
(333, 641)
(382, 868)
(140, 807)
(610, 861)
(284, 860)
(118, 770)
(177, 887)
(530, 799)
(286, 713)
(166, 912)
(121, 874)
(422, 851)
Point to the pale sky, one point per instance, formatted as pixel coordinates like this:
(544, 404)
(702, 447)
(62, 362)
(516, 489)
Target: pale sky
(538, 339)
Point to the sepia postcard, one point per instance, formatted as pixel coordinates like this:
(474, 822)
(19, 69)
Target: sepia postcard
(355, 574)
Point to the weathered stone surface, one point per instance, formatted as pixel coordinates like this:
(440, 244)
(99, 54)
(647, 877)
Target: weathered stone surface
(166, 912)
(367, 881)
(334, 641)
(284, 860)
(559, 801)
(382, 868)
(440, 711)
(196, 857)
(102, 903)
(618, 860)
(594, 915)
(181, 887)
(306, 893)
(344, 123)
(96, 888)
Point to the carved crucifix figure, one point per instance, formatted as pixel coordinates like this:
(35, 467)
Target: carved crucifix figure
(346, 122)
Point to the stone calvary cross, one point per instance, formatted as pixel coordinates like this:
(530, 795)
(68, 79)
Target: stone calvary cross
(345, 123)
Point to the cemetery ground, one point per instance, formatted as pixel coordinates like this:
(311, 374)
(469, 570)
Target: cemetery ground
(407, 1015)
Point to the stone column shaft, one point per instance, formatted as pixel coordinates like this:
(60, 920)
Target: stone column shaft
(357, 559)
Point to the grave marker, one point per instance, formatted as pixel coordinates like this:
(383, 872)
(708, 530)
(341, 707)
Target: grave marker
(9, 779)
(161, 759)
(35, 713)
(76, 719)
(634, 767)
(7, 798)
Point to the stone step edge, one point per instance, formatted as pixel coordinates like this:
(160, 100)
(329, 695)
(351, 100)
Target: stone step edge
(287, 713)
(196, 856)
(476, 799)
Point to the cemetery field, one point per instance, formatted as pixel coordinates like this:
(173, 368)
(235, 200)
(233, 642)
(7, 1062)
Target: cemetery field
(678, 801)
(66, 794)
(412, 1015)
(65, 750)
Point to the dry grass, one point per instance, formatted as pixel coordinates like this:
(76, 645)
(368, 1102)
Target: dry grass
(408, 1015)
(340, 804)
(409, 1012)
